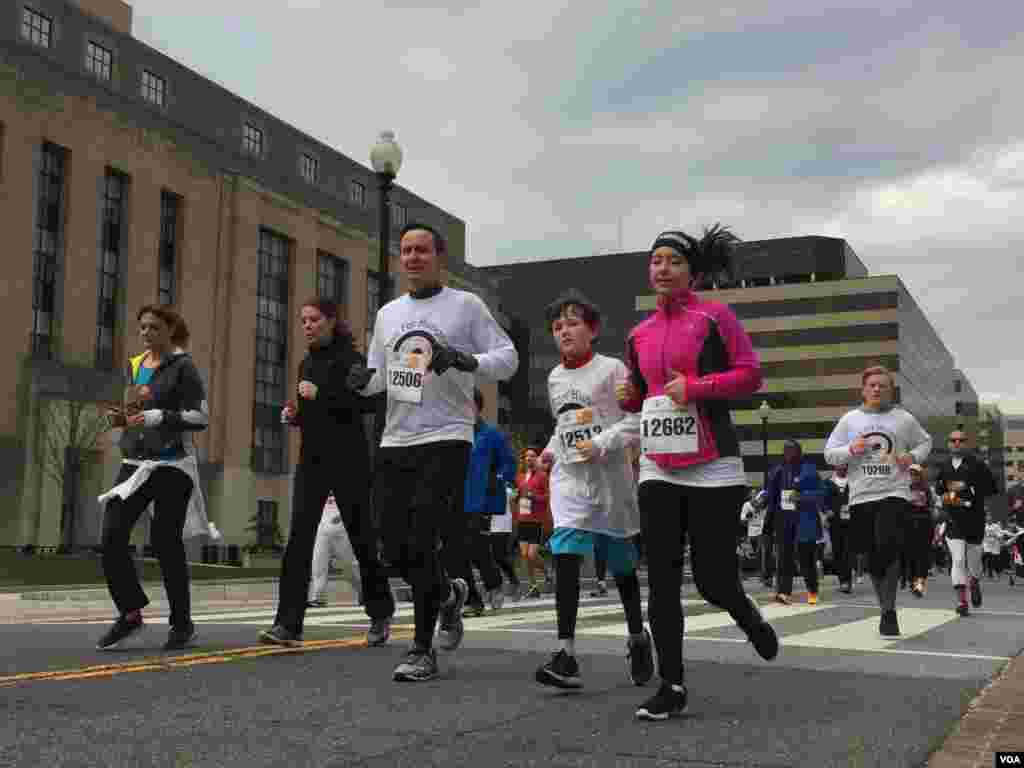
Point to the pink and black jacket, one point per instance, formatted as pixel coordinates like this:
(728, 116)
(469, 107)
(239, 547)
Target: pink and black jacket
(704, 341)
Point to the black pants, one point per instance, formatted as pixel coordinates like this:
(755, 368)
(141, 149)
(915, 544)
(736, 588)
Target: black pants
(478, 553)
(786, 524)
(314, 482)
(418, 494)
(767, 555)
(169, 489)
(807, 552)
(918, 545)
(501, 550)
(669, 513)
(600, 567)
(879, 531)
(842, 563)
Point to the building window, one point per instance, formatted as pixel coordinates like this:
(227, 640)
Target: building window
(252, 140)
(114, 186)
(98, 60)
(49, 221)
(357, 193)
(36, 28)
(271, 353)
(170, 204)
(372, 303)
(309, 167)
(332, 278)
(154, 88)
(266, 524)
(397, 215)
(958, 386)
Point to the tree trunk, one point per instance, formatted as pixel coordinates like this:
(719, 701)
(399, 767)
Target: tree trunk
(72, 477)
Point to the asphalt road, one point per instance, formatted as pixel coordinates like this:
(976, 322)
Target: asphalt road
(838, 695)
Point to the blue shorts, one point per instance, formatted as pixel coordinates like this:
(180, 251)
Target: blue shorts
(619, 553)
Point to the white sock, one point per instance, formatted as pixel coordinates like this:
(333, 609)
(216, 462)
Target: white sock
(569, 645)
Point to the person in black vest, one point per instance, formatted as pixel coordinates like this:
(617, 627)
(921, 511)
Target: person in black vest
(334, 456)
(962, 482)
(837, 501)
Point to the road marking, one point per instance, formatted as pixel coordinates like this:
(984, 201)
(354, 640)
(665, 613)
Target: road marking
(716, 619)
(188, 660)
(863, 635)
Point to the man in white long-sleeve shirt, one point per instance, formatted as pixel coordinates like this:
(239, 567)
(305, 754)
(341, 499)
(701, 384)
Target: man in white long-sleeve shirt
(427, 347)
(879, 442)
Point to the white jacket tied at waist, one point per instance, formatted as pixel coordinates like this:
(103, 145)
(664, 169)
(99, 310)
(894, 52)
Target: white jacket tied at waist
(196, 522)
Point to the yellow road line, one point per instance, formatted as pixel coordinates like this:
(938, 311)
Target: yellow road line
(187, 660)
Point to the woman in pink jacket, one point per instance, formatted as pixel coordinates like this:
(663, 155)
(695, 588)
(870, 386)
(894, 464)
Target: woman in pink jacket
(687, 361)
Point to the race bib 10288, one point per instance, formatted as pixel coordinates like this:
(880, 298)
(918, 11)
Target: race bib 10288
(405, 384)
(667, 428)
(574, 427)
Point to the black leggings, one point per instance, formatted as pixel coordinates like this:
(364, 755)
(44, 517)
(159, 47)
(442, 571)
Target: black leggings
(567, 596)
(708, 515)
(169, 489)
(501, 551)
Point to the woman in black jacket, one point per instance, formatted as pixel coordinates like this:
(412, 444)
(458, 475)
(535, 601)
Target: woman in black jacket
(167, 403)
(334, 457)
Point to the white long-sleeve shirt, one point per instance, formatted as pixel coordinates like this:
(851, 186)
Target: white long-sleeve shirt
(404, 336)
(598, 495)
(874, 475)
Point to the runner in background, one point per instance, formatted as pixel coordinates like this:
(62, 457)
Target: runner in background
(837, 501)
(531, 501)
(920, 530)
(332, 543)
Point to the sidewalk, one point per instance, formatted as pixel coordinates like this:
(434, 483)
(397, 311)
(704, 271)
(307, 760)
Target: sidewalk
(994, 722)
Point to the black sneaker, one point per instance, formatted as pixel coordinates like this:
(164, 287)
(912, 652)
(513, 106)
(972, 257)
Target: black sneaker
(179, 638)
(888, 625)
(561, 671)
(418, 666)
(846, 588)
(318, 603)
(450, 627)
(762, 635)
(600, 590)
(278, 635)
(640, 659)
(976, 593)
(533, 593)
(121, 630)
(379, 632)
(962, 609)
(670, 700)
(473, 609)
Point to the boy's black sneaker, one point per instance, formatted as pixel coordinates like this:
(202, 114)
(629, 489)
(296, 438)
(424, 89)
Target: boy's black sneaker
(762, 635)
(121, 630)
(640, 659)
(180, 637)
(561, 671)
(669, 701)
(889, 625)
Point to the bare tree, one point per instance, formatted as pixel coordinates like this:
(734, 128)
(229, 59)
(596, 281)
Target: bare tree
(69, 435)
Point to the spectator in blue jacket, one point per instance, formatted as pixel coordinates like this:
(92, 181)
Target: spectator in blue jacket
(795, 496)
(492, 469)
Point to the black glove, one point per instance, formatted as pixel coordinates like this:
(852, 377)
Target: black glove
(358, 377)
(449, 357)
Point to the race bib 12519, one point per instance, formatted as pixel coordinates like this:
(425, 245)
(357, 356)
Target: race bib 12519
(667, 428)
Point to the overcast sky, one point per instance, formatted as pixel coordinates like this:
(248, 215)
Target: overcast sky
(559, 128)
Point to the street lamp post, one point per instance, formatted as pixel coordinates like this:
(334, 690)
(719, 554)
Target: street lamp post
(765, 412)
(386, 159)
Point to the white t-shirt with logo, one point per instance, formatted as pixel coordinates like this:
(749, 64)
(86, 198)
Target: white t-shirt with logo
(422, 406)
(875, 475)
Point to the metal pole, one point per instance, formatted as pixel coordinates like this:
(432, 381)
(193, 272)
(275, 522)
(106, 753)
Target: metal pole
(384, 286)
(764, 449)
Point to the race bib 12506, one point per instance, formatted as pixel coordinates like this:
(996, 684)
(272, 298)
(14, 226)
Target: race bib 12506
(667, 428)
(405, 384)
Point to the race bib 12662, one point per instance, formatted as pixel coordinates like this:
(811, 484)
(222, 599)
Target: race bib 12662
(667, 428)
(405, 384)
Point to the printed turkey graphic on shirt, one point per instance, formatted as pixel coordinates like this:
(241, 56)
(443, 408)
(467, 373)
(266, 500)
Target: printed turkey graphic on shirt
(879, 447)
(415, 349)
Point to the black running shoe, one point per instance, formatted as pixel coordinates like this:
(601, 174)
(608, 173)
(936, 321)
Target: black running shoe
(962, 609)
(379, 632)
(121, 630)
(762, 635)
(640, 659)
(561, 671)
(418, 666)
(450, 627)
(888, 625)
(975, 593)
(278, 635)
(180, 637)
(472, 610)
(669, 701)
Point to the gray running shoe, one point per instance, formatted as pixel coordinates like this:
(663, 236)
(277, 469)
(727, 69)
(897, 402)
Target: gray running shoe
(379, 632)
(278, 635)
(121, 631)
(419, 665)
(496, 597)
(450, 626)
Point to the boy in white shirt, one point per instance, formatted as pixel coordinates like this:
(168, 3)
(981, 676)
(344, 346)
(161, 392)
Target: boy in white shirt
(592, 490)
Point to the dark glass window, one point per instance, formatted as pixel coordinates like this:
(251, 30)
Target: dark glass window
(958, 386)
(332, 278)
(49, 227)
(154, 88)
(834, 335)
(98, 60)
(825, 366)
(168, 257)
(357, 193)
(266, 523)
(35, 27)
(268, 453)
(310, 168)
(252, 140)
(112, 231)
(857, 302)
(398, 217)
